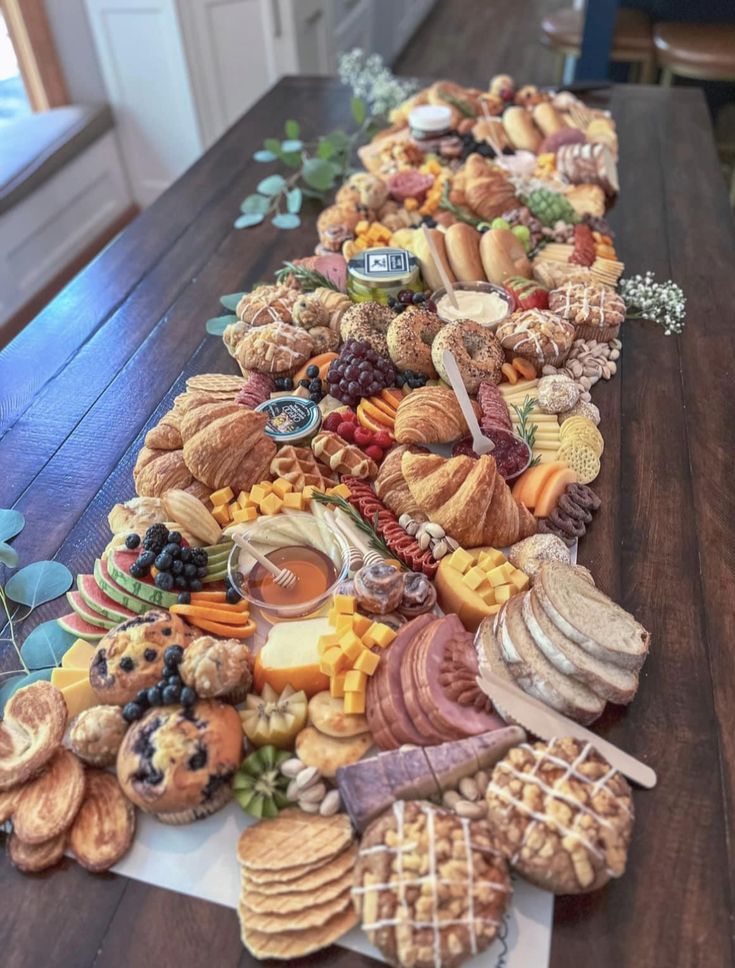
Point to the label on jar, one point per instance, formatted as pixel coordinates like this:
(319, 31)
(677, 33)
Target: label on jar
(383, 264)
(290, 419)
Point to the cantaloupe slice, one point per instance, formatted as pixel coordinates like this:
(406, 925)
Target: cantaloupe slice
(527, 489)
(554, 486)
(322, 361)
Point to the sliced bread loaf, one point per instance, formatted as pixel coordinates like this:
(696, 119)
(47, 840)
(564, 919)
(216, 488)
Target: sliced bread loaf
(535, 674)
(589, 618)
(607, 680)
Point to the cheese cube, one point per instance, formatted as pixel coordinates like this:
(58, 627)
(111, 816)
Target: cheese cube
(343, 622)
(474, 577)
(325, 642)
(360, 624)
(221, 514)
(78, 656)
(461, 560)
(337, 686)
(487, 594)
(308, 491)
(271, 504)
(367, 662)
(355, 681)
(333, 661)
(520, 579)
(67, 677)
(243, 499)
(354, 703)
(258, 492)
(79, 696)
(504, 592)
(498, 575)
(491, 559)
(351, 645)
(341, 490)
(243, 515)
(378, 634)
(221, 497)
(344, 604)
(281, 486)
(294, 499)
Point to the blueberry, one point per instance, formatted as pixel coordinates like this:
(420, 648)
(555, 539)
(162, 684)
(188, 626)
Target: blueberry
(177, 567)
(188, 696)
(132, 541)
(287, 382)
(127, 664)
(184, 598)
(315, 396)
(172, 549)
(154, 696)
(232, 595)
(312, 371)
(173, 655)
(136, 571)
(419, 297)
(141, 697)
(173, 537)
(132, 711)
(186, 555)
(183, 583)
(163, 562)
(195, 585)
(171, 695)
(202, 572)
(190, 570)
(174, 680)
(165, 580)
(150, 655)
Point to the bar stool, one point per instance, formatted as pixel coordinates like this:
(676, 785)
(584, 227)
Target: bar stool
(632, 43)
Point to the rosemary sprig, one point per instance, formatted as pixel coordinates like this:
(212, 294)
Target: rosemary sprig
(464, 107)
(527, 430)
(308, 279)
(360, 523)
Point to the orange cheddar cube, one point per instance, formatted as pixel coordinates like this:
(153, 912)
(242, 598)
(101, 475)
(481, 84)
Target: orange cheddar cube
(367, 662)
(221, 497)
(325, 642)
(243, 515)
(281, 486)
(354, 703)
(221, 514)
(351, 645)
(294, 500)
(504, 592)
(308, 491)
(474, 577)
(271, 504)
(333, 661)
(498, 575)
(461, 560)
(520, 579)
(259, 491)
(243, 499)
(491, 559)
(360, 624)
(337, 685)
(341, 490)
(378, 634)
(345, 604)
(355, 681)
(343, 622)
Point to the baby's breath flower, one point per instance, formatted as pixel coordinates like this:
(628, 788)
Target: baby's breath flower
(661, 302)
(372, 81)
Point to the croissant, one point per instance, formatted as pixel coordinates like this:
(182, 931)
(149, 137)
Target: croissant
(429, 415)
(391, 487)
(468, 498)
(231, 451)
(488, 191)
(200, 417)
(157, 471)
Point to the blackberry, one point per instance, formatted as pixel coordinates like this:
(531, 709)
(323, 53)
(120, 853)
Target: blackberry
(304, 383)
(132, 541)
(165, 580)
(155, 537)
(315, 396)
(199, 557)
(202, 572)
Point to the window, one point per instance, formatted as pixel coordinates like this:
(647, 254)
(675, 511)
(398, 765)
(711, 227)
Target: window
(13, 98)
(25, 38)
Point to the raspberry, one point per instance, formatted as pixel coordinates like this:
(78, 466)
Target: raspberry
(332, 421)
(346, 431)
(363, 437)
(374, 453)
(384, 440)
(349, 415)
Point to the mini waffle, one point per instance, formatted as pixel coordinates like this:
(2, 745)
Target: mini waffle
(31, 732)
(216, 383)
(296, 944)
(47, 806)
(311, 881)
(267, 902)
(299, 466)
(105, 825)
(273, 844)
(308, 915)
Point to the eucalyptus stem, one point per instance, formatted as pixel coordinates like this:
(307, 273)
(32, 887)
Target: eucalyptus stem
(11, 628)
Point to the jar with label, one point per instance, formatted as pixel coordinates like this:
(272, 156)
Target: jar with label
(291, 420)
(377, 274)
(428, 124)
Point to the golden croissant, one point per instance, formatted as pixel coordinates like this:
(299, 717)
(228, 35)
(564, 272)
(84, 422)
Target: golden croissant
(429, 415)
(391, 487)
(231, 451)
(488, 192)
(468, 498)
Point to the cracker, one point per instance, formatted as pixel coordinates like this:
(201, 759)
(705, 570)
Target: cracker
(584, 430)
(582, 459)
(328, 753)
(309, 914)
(327, 714)
(318, 875)
(216, 382)
(273, 845)
(296, 944)
(295, 900)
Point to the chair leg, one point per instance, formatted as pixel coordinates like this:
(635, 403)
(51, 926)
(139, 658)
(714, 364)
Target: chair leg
(561, 60)
(667, 77)
(647, 71)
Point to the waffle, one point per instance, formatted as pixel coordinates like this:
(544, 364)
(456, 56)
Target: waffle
(105, 825)
(312, 880)
(264, 902)
(342, 457)
(31, 732)
(299, 466)
(273, 844)
(47, 806)
(296, 944)
(216, 383)
(308, 914)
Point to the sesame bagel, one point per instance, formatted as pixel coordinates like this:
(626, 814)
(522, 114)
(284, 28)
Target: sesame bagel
(478, 353)
(367, 322)
(410, 338)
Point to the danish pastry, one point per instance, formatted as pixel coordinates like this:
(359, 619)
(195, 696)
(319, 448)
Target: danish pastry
(267, 304)
(276, 348)
(31, 731)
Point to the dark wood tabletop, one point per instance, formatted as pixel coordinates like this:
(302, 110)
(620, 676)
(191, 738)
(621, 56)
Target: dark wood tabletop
(103, 361)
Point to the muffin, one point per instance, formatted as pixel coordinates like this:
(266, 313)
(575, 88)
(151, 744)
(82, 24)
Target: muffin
(218, 668)
(537, 335)
(177, 763)
(96, 734)
(129, 657)
(595, 310)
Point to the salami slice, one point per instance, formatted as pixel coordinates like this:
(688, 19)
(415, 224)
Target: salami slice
(409, 184)
(494, 408)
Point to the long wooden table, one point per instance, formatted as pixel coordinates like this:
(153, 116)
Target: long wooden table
(80, 386)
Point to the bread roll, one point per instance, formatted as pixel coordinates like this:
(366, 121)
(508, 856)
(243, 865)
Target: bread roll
(547, 118)
(462, 244)
(521, 130)
(503, 255)
(426, 262)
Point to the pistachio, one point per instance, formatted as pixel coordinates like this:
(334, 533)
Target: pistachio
(614, 354)
(435, 530)
(472, 811)
(308, 807)
(424, 541)
(313, 794)
(291, 768)
(306, 777)
(451, 798)
(439, 549)
(412, 528)
(330, 804)
(404, 520)
(482, 779)
(468, 788)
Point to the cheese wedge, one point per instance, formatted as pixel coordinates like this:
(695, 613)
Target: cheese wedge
(67, 677)
(78, 656)
(79, 696)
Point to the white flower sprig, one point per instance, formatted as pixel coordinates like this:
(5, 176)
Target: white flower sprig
(661, 302)
(372, 81)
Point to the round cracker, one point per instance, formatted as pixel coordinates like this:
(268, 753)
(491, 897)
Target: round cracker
(328, 753)
(308, 914)
(273, 845)
(288, 901)
(316, 877)
(296, 944)
(581, 459)
(328, 715)
(585, 433)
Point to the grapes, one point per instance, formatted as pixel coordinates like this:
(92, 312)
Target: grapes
(365, 378)
(352, 372)
(359, 371)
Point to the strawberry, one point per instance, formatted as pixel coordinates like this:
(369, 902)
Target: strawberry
(527, 293)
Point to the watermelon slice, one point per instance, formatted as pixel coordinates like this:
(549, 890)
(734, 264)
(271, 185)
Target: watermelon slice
(114, 592)
(77, 626)
(88, 614)
(101, 603)
(118, 567)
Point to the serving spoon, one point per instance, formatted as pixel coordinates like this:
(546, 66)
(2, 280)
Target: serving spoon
(480, 443)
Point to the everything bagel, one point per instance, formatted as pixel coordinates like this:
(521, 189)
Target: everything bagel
(478, 353)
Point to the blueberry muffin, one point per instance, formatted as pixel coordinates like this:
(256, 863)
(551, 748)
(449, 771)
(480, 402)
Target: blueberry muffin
(130, 656)
(177, 762)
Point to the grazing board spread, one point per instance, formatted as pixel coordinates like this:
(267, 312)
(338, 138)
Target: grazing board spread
(296, 625)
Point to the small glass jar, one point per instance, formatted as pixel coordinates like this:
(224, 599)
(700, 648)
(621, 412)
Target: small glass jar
(291, 420)
(376, 275)
(428, 124)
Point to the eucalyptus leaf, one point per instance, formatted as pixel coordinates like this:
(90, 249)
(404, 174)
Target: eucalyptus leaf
(264, 155)
(286, 220)
(339, 138)
(218, 324)
(325, 149)
(292, 128)
(230, 302)
(294, 199)
(248, 221)
(255, 204)
(292, 144)
(292, 159)
(38, 583)
(11, 523)
(311, 193)
(357, 106)
(8, 555)
(9, 686)
(271, 185)
(318, 173)
(273, 145)
(46, 644)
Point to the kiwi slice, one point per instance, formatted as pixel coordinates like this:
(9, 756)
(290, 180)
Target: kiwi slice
(259, 786)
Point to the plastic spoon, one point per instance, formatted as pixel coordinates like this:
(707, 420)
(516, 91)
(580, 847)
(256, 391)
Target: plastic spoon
(480, 443)
(446, 281)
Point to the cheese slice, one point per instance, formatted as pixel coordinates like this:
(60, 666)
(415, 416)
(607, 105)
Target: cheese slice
(67, 677)
(78, 656)
(79, 696)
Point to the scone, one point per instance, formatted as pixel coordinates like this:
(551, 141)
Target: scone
(95, 735)
(130, 656)
(218, 668)
(177, 763)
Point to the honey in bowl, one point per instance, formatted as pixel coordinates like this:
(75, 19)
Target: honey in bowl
(314, 570)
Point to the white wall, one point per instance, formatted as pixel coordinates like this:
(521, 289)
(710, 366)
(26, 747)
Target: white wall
(75, 47)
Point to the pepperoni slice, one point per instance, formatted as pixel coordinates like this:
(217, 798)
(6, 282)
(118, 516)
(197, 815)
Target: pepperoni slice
(409, 184)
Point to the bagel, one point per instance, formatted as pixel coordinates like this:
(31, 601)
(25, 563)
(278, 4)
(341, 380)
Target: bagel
(410, 338)
(367, 322)
(503, 255)
(478, 353)
(462, 244)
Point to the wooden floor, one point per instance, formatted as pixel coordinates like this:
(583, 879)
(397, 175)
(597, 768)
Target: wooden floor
(470, 40)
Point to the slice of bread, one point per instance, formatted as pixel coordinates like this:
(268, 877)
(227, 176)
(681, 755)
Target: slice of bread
(607, 680)
(589, 618)
(535, 674)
